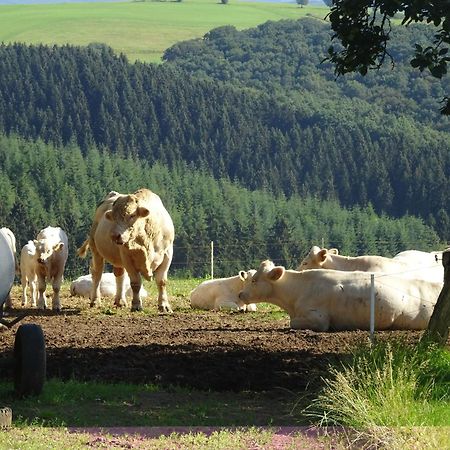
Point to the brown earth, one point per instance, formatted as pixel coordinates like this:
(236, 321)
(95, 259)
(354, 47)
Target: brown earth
(218, 351)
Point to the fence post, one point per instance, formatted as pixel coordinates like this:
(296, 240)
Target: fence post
(372, 307)
(212, 260)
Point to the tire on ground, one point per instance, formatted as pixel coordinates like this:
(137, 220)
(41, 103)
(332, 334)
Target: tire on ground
(30, 360)
(5, 417)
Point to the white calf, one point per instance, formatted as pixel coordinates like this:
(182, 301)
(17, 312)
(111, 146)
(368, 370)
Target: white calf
(221, 293)
(82, 286)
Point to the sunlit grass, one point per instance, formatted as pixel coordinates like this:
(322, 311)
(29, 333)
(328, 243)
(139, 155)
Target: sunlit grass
(389, 393)
(140, 30)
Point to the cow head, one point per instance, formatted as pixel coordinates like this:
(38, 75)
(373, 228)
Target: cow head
(126, 211)
(44, 250)
(258, 284)
(316, 258)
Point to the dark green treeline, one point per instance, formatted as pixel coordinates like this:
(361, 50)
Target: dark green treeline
(329, 150)
(42, 185)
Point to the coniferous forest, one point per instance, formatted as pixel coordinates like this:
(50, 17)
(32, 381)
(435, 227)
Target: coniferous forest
(247, 138)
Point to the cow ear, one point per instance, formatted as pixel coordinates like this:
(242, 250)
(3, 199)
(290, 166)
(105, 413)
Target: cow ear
(142, 211)
(276, 273)
(109, 215)
(333, 251)
(243, 275)
(58, 247)
(322, 255)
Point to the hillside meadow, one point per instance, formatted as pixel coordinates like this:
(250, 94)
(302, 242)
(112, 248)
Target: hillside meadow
(140, 30)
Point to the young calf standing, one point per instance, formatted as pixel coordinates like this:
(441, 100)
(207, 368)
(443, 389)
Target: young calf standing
(49, 262)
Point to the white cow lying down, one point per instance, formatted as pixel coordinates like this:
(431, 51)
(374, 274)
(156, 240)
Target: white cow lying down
(409, 264)
(82, 286)
(323, 300)
(222, 293)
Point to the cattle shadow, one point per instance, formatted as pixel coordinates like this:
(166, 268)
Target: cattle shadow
(15, 312)
(218, 368)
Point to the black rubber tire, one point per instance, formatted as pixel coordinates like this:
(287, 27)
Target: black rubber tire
(30, 361)
(5, 417)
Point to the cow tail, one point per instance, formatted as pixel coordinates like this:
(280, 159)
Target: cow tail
(82, 251)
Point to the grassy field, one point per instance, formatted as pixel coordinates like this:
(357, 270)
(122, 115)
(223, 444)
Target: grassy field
(140, 30)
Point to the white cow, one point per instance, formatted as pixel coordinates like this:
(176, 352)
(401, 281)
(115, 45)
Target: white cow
(221, 293)
(413, 268)
(82, 286)
(135, 233)
(11, 239)
(28, 274)
(50, 260)
(323, 300)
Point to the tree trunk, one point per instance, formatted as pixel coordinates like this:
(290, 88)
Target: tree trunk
(438, 327)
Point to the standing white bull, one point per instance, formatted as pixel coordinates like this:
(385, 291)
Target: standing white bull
(133, 232)
(321, 300)
(221, 293)
(50, 260)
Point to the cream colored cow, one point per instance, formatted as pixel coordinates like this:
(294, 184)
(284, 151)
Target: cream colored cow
(323, 300)
(221, 293)
(82, 286)
(425, 268)
(134, 232)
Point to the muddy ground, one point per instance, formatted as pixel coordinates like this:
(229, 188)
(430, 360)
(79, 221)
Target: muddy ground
(218, 351)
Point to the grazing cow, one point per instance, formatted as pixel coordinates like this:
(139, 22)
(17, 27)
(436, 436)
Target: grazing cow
(11, 239)
(221, 293)
(133, 232)
(82, 286)
(323, 300)
(28, 274)
(413, 268)
(50, 260)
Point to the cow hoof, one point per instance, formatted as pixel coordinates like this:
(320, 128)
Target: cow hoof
(136, 308)
(57, 310)
(165, 309)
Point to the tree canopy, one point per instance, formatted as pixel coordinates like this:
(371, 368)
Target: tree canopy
(364, 27)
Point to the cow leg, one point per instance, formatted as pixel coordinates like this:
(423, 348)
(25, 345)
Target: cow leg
(33, 291)
(56, 301)
(136, 284)
(97, 264)
(42, 299)
(120, 299)
(8, 302)
(24, 283)
(161, 281)
(315, 321)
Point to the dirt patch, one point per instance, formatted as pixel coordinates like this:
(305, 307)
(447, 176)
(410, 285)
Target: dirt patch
(203, 350)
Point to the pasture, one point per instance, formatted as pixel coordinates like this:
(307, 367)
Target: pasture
(141, 30)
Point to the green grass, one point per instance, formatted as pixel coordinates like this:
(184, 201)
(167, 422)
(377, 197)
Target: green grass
(390, 393)
(83, 404)
(140, 30)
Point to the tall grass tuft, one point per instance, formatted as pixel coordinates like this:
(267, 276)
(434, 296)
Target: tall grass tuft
(389, 390)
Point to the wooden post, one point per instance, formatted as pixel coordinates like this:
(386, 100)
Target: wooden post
(438, 327)
(212, 260)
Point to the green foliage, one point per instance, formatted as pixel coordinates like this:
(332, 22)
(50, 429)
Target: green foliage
(364, 30)
(389, 385)
(57, 186)
(315, 145)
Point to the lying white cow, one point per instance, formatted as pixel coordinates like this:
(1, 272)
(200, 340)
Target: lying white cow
(323, 300)
(222, 293)
(50, 260)
(11, 239)
(425, 268)
(28, 274)
(82, 286)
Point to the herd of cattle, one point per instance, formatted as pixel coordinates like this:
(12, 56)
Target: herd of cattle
(327, 291)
